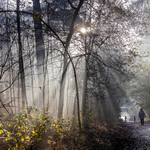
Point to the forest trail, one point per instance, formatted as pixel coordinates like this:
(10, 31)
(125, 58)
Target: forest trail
(142, 131)
(142, 134)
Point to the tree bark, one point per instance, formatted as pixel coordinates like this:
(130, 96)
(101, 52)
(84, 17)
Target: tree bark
(40, 50)
(21, 65)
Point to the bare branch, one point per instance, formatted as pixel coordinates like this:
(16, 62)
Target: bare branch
(71, 5)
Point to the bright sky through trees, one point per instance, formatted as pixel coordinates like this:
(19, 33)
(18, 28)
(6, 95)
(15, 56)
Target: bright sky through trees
(83, 30)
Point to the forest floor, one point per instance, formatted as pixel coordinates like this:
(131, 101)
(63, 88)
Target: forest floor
(141, 134)
(123, 136)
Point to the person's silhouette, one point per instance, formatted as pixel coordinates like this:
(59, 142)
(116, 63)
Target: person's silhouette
(142, 116)
(125, 119)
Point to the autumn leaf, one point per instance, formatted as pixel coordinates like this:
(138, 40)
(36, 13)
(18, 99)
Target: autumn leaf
(19, 134)
(27, 138)
(1, 131)
(36, 17)
(113, 10)
(54, 13)
(22, 139)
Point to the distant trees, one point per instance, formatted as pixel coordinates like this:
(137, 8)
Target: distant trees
(140, 86)
(110, 56)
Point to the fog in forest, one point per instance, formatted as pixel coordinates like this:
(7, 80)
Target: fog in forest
(46, 83)
(74, 60)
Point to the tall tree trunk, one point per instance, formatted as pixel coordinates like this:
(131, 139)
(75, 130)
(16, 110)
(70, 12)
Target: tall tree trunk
(21, 65)
(32, 79)
(9, 51)
(84, 85)
(86, 73)
(66, 54)
(40, 50)
(62, 87)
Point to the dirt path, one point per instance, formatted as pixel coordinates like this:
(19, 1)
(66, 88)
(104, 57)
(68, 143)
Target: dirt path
(142, 135)
(142, 131)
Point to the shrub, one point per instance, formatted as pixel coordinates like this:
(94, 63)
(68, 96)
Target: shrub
(25, 129)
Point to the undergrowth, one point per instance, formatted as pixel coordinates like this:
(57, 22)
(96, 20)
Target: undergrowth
(24, 130)
(32, 130)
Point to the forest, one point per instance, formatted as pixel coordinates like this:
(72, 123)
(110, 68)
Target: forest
(70, 70)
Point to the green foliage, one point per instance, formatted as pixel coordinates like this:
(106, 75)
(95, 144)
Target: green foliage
(32, 129)
(87, 117)
(24, 129)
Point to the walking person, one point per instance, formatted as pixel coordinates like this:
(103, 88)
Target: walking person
(142, 116)
(125, 119)
(134, 119)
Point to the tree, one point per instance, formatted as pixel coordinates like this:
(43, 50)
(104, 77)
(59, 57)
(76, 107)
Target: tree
(21, 65)
(40, 50)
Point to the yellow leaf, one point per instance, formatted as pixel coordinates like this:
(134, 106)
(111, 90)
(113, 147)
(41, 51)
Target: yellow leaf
(54, 13)
(48, 141)
(1, 131)
(7, 139)
(113, 10)
(22, 139)
(38, 17)
(19, 133)
(27, 138)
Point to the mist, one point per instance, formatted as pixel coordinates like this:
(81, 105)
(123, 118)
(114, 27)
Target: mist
(74, 61)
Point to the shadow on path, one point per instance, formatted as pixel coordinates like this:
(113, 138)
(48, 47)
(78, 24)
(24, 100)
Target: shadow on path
(141, 134)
